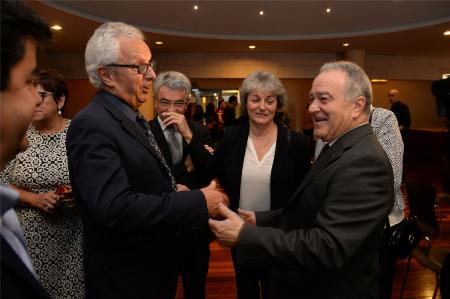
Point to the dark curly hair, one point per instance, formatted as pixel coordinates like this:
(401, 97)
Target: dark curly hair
(53, 81)
(18, 23)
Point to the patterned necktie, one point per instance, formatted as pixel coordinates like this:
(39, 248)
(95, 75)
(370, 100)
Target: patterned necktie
(151, 139)
(174, 144)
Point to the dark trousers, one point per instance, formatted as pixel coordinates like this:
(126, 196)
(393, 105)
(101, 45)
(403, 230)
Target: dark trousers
(251, 282)
(388, 265)
(193, 262)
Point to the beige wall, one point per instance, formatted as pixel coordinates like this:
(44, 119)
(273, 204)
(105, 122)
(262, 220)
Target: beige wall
(412, 75)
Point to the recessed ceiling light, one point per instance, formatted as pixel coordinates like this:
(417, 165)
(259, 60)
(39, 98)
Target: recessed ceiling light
(159, 42)
(378, 80)
(346, 44)
(447, 32)
(328, 10)
(56, 27)
(261, 12)
(195, 7)
(252, 47)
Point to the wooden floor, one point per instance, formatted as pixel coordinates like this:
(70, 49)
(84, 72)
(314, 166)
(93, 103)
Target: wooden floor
(421, 282)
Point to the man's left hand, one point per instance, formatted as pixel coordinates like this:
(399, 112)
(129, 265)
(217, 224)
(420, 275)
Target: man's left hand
(179, 122)
(227, 230)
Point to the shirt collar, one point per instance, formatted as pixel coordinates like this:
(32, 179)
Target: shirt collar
(121, 105)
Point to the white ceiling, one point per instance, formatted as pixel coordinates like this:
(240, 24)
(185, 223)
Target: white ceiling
(379, 27)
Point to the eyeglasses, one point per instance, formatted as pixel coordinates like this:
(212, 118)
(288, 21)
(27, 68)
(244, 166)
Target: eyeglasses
(44, 94)
(177, 104)
(141, 68)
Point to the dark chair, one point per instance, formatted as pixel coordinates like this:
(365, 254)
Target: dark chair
(421, 198)
(445, 278)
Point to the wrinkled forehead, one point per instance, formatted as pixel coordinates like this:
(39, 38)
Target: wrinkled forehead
(134, 49)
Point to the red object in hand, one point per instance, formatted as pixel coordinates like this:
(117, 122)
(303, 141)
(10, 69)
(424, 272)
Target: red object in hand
(61, 190)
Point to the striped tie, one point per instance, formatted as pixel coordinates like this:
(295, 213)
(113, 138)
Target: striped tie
(151, 139)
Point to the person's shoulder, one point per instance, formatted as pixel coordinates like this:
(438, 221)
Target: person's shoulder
(234, 130)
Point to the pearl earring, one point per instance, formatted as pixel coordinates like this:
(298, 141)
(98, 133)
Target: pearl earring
(59, 112)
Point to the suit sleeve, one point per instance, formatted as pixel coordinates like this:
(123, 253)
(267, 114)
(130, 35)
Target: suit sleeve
(202, 160)
(350, 214)
(103, 188)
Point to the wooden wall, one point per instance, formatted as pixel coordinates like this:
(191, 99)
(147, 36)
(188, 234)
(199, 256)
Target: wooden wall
(415, 93)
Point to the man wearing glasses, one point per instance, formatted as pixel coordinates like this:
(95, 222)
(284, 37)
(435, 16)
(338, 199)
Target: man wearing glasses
(185, 148)
(123, 185)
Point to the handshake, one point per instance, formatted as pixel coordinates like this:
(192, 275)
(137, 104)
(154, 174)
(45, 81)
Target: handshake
(214, 196)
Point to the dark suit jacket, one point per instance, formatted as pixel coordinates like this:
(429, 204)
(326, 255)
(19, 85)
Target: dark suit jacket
(130, 215)
(16, 281)
(327, 238)
(401, 111)
(290, 164)
(201, 158)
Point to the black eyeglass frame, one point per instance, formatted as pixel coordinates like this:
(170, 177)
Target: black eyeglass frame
(141, 68)
(44, 94)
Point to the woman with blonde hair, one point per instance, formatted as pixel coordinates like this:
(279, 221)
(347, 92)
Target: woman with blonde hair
(260, 163)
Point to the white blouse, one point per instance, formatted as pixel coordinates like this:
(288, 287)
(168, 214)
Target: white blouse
(255, 180)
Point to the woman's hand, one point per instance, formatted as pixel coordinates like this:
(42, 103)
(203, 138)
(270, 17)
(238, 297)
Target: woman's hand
(46, 202)
(67, 197)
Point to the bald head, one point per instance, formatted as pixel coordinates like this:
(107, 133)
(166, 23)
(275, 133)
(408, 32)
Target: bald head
(393, 96)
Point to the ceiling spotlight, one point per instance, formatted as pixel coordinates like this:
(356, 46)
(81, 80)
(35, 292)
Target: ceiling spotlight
(195, 7)
(345, 44)
(328, 10)
(159, 42)
(56, 27)
(261, 12)
(447, 33)
(252, 47)
(378, 80)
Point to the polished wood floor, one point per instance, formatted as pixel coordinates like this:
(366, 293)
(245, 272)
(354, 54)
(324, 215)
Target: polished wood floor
(421, 282)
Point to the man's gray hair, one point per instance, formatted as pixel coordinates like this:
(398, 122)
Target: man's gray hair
(358, 83)
(103, 47)
(172, 80)
(266, 81)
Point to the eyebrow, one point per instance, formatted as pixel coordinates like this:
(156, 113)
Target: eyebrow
(321, 93)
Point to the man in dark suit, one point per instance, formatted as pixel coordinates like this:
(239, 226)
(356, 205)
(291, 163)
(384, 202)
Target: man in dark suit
(325, 243)
(123, 185)
(185, 148)
(21, 31)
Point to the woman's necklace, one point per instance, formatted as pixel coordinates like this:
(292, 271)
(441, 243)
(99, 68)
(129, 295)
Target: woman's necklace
(263, 143)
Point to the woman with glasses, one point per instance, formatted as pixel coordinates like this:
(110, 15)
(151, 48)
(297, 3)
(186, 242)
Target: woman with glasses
(260, 163)
(47, 212)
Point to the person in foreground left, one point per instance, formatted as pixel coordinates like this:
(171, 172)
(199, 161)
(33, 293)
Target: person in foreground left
(49, 218)
(126, 191)
(325, 242)
(21, 31)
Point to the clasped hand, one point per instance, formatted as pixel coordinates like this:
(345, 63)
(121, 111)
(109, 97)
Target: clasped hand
(227, 230)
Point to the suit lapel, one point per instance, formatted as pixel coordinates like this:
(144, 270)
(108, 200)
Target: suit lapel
(238, 161)
(129, 126)
(335, 152)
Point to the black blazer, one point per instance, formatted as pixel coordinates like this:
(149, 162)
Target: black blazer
(130, 214)
(325, 242)
(290, 164)
(201, 158)
(16, 281)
